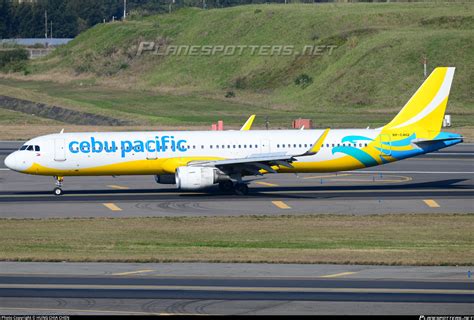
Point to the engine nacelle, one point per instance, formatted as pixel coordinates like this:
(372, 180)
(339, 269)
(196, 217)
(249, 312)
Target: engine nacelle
(192, 178)
(165, 179)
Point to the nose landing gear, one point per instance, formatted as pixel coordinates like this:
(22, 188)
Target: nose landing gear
(59, 183)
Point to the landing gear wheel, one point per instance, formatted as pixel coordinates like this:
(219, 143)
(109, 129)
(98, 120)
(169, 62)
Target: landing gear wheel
(59, 183)
(241, 189)
(226, 186)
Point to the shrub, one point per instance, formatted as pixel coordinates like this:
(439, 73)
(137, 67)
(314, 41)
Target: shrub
(15, 60)
(12, 56)
(303, 80)
(230, 94)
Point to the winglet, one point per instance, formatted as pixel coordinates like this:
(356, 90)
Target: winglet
(248, 123)
(317, 145)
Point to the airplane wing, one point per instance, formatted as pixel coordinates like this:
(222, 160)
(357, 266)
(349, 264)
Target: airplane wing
(251, 165)
(248, 124)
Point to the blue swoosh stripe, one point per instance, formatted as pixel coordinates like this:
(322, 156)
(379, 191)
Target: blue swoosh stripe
(353, 139)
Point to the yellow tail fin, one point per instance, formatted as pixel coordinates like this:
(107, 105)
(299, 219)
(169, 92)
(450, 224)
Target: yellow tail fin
(424, 112)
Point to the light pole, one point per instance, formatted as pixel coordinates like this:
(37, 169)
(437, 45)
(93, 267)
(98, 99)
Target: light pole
(124, 9)
(172, 2)
(46, 24)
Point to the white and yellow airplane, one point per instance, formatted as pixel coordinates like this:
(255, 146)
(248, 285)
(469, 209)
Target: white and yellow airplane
(199, 159)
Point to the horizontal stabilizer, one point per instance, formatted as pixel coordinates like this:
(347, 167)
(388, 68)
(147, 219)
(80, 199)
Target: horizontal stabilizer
(427, 142)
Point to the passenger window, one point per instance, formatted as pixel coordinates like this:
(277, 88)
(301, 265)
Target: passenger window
(202, 147)
(256, 146)
(23, 147)
(300, 145)
(30, 148)
(37, 148)
(366, 144)
(360, 145)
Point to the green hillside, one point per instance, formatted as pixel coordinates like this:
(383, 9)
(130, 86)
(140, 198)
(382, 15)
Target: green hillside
(374, 68)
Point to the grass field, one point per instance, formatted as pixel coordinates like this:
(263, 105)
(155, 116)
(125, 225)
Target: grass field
(147, 108)
(422, 239)
(365, 81)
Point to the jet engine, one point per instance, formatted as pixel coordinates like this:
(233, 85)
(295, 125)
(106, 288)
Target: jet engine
(192, 178)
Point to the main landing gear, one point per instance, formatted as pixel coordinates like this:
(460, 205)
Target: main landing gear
(229, 186)
(59, 183)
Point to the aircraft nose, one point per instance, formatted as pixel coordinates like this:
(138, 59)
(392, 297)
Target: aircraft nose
(10, 161)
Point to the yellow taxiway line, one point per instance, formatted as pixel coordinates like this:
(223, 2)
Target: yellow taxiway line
(327, 176)
(114, 186)
(112, 206)
(431, 203)
(337, 275)
(132, 272)
(281, 205)
(266, 184)
(235, 289)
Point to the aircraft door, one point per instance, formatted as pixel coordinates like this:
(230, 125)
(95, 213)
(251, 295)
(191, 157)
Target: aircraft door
(59, 150)
(386, 145)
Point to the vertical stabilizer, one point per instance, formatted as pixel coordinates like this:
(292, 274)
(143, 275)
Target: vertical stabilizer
(425, 109)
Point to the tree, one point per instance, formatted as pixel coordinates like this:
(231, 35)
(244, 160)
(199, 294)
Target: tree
(5, 18)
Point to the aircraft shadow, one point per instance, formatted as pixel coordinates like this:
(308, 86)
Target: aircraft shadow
(454, 184)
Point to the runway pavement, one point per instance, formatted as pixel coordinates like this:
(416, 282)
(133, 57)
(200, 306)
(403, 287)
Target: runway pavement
(438, 182)
(441, 182)
(107, 288)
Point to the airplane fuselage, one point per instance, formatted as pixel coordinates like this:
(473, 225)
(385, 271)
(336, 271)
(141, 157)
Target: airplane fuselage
(161, 152)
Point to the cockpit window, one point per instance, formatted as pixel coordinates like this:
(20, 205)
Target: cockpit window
(37, 148)
(23, 147)
(30, 148)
